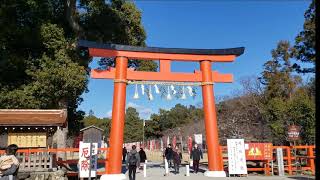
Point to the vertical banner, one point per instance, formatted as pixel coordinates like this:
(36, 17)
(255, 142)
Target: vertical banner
(168, 141)
(174, 141)
(189, 143)
(86, 168)
(198, 138)
(181, 143)
(280, 161)
(151, 145)
(236, 156)
(161, 144)
(164, 141)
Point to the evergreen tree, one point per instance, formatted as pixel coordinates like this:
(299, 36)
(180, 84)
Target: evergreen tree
(305, 42)
(133, 126)
(277, 75)
(40, 65)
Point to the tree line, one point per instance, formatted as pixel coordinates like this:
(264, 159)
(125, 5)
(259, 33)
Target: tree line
(42, 68)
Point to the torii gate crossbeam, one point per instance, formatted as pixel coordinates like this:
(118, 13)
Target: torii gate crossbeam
(121, 74)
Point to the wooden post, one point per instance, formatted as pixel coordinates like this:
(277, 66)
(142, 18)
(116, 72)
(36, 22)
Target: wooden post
(34, 157)
(311, 159)
(40, 160)
(29, 159)
(289, 160)
(23, 161)
(50, 161)
(118, 116)
(45, 159)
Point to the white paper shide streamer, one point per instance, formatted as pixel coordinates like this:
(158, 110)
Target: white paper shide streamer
(169, 95)
(142, 89)
(146, 89)
(150, 96)
(183, 93)
(136, 93)
(156, 89)
(190, 90)
(173, 90)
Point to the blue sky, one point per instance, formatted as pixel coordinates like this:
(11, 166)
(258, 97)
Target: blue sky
(256, 25)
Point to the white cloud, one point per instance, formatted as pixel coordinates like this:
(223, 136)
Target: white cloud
(144, 112)
(109, 114)
(134, 105)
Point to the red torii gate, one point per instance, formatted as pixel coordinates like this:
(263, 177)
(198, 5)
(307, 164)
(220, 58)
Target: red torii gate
(121, 74)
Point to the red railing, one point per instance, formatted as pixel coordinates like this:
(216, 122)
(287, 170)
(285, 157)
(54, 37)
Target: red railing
(289, 158)
(28, 152)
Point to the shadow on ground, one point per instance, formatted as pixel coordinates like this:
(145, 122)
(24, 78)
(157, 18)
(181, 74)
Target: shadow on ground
(302, 177)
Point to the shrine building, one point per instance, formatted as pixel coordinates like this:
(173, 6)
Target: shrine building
(32, 128)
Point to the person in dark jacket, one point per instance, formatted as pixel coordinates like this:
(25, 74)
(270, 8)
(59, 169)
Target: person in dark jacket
(143, 156)
(195, 155)
(177, 156)
(133, 161)
(124, 154)
(12, 172)
(168, 153)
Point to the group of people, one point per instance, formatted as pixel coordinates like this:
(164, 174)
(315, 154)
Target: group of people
(9, 164)
(133, 160)
(174, 157)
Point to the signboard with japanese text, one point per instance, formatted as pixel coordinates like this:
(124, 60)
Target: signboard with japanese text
(236, 156)
(293, 133)
(198, 138)
(87, 163)
(258, 151)
(24, 140)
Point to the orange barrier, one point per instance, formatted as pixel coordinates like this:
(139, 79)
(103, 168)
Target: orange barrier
(288, 158)
(291, 160)
(28, 153)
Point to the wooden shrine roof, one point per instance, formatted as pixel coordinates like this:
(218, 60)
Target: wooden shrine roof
(227, 51)
(35, 117)
(90, 127)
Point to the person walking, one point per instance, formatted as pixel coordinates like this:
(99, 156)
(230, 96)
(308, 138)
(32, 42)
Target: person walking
(177, 156)
(195, 155)
(124, 154)
(133, 161)
(168, 153)
(143, 156)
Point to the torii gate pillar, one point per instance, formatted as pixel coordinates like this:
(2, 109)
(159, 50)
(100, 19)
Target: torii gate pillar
(118, 116)
(210, 118)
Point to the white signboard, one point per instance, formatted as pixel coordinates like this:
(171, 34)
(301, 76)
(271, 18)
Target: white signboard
(198, 138)
(85, 168)
(280, 161)
(236, 156)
